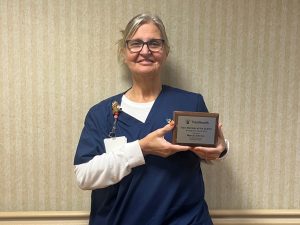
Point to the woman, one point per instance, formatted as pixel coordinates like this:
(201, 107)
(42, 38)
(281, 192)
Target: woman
(125, 156)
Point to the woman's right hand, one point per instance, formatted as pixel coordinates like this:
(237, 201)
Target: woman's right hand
(155, 143)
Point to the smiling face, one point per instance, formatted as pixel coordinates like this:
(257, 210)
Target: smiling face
(145, 62)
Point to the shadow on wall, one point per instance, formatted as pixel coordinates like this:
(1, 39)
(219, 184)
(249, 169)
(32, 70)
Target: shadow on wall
(125, 75)
(222, 187)
(172, 77)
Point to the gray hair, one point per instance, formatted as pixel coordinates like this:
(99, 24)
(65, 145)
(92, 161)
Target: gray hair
(133, 26)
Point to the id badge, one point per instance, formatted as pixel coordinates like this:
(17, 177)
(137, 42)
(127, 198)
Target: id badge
(114, 143)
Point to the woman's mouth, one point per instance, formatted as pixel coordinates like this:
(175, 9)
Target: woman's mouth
(145, 61)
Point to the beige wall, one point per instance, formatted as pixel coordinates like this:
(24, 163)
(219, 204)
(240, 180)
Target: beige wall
(58, 58)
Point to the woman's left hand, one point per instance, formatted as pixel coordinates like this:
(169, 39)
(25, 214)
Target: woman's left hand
(211, 153)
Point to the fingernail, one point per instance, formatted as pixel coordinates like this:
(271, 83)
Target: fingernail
(170, 121)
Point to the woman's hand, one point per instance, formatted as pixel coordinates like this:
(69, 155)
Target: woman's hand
(155, 143)
(211, 153)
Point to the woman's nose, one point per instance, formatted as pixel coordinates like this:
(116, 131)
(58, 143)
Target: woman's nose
(145, 49)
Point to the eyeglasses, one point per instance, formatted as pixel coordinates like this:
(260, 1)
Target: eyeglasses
(154, 45)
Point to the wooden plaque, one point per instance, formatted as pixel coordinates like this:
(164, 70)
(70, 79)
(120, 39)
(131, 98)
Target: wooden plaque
(195, 128)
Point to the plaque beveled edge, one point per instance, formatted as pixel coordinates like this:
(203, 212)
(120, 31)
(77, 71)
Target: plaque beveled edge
(199, 114)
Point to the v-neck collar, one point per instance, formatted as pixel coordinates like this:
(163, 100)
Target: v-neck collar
(128, 119)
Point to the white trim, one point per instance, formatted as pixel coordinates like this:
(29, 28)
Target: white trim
(220, 217)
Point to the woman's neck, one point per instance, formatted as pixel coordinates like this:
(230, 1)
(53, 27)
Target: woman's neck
(144, 91)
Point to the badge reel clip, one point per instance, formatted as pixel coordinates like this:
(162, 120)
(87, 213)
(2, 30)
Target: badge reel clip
(116, 109)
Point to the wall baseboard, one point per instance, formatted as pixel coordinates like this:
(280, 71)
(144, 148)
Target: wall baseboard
(256, 216)
(220, 217)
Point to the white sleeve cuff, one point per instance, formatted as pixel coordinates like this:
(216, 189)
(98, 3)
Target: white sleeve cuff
(134, 154)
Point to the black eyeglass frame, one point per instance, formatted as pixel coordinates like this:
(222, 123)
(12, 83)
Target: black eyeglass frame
(145, 43)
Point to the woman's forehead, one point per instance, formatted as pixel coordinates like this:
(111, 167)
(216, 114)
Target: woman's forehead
(147, 30)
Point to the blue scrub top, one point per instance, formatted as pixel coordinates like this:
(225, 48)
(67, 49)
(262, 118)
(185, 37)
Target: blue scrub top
(163, 191)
